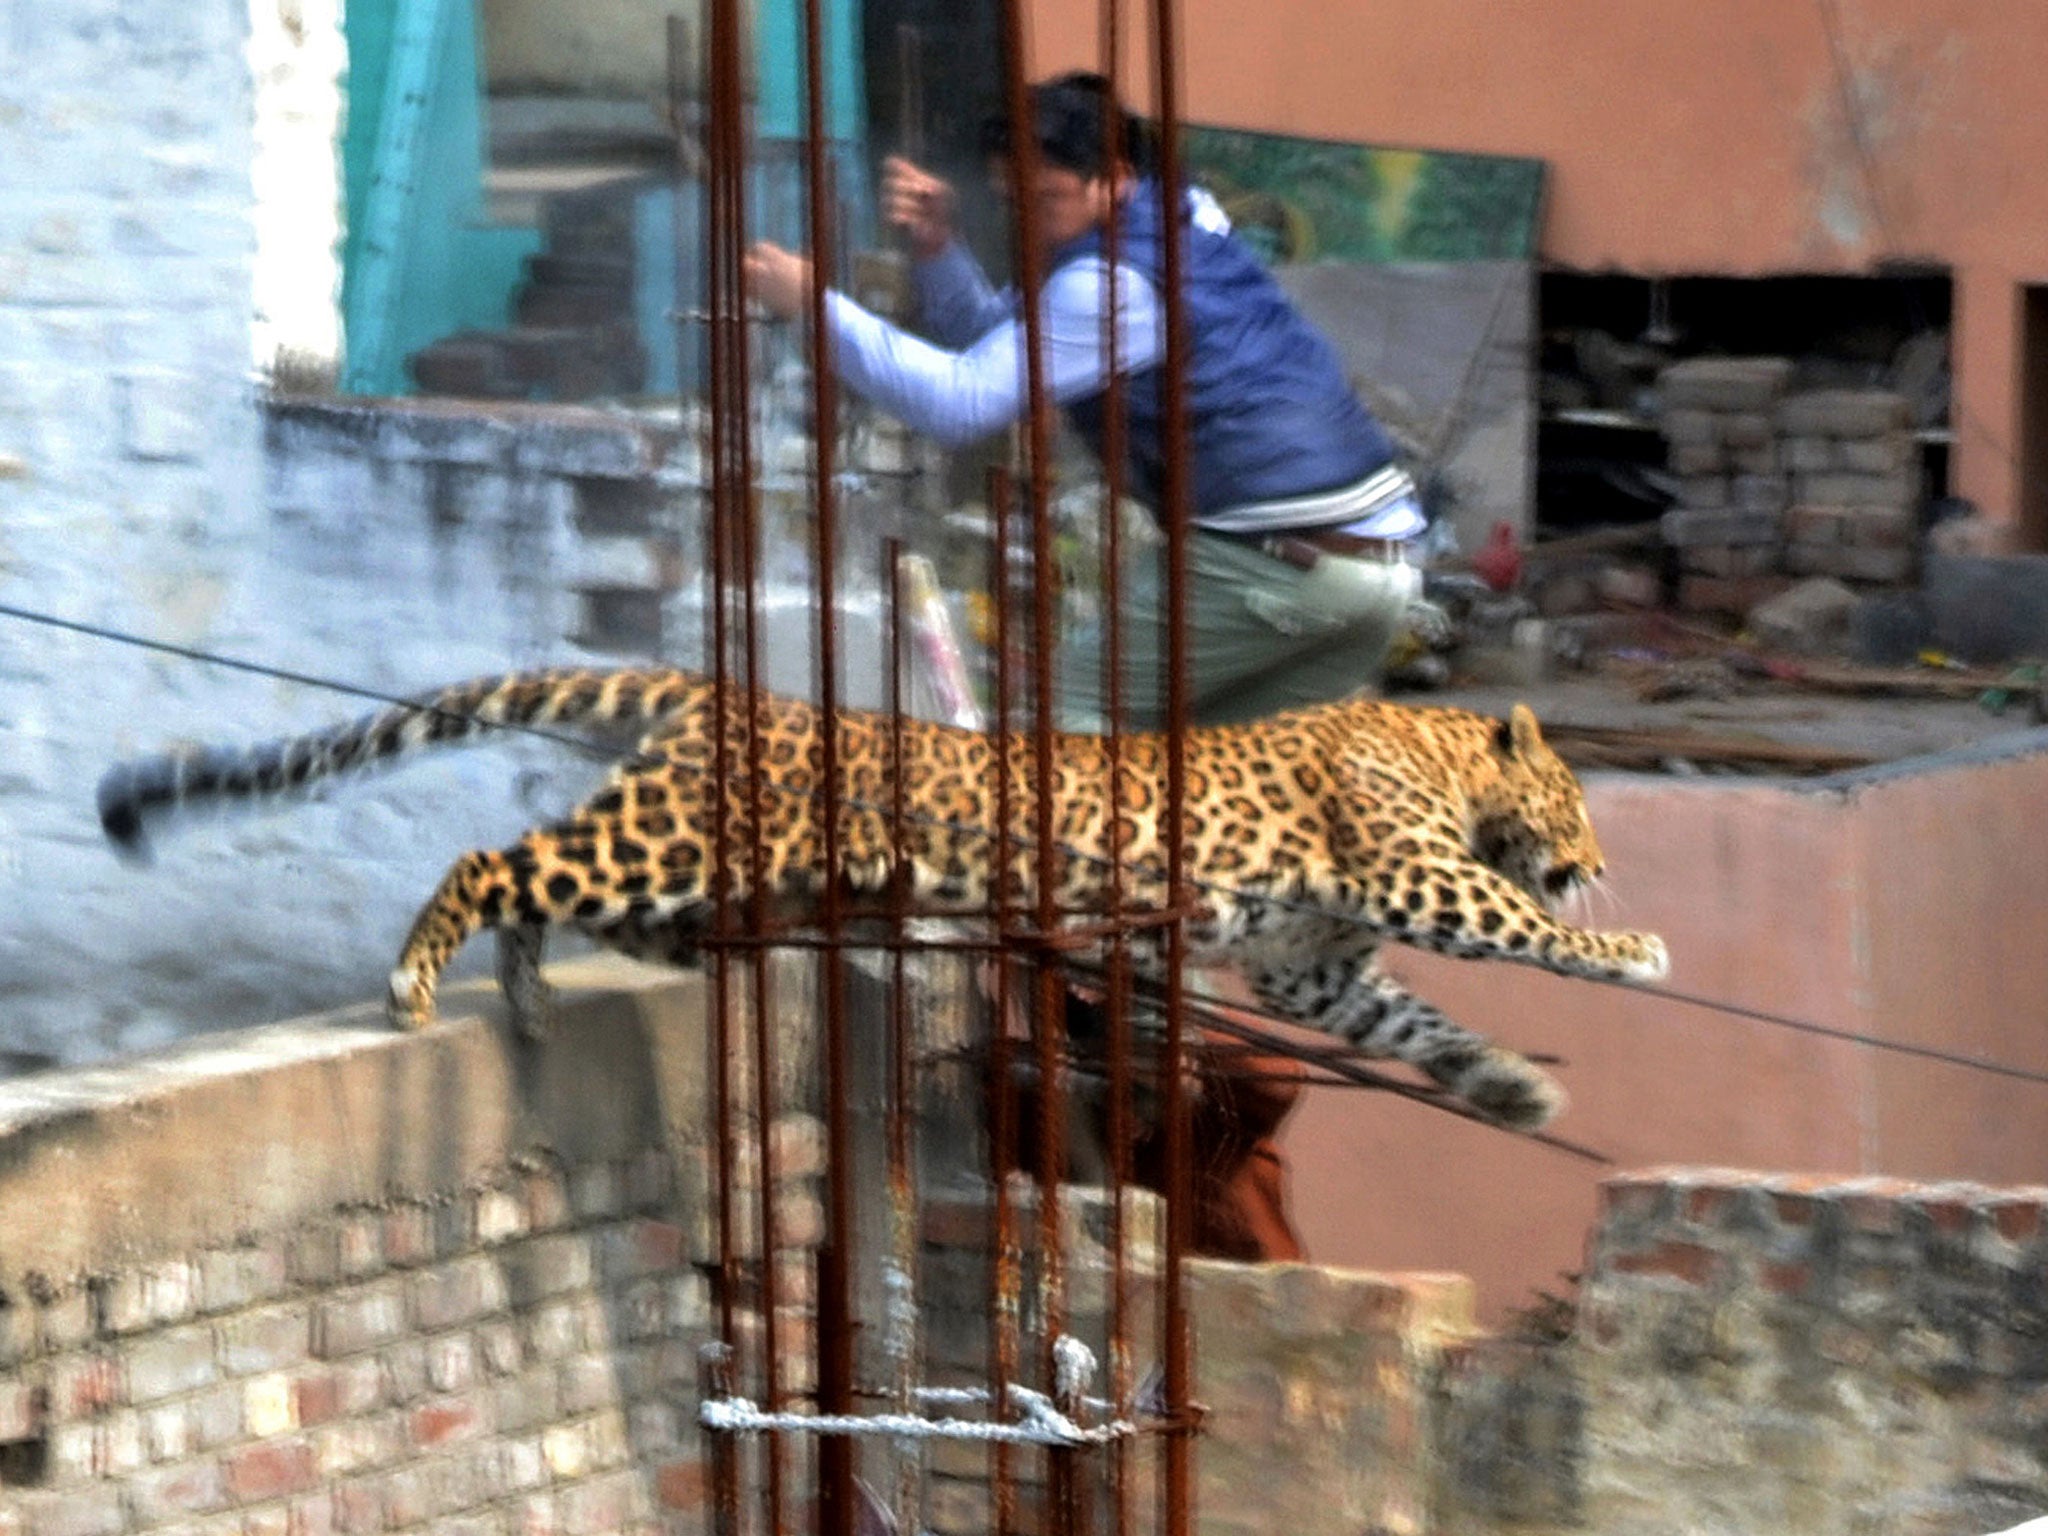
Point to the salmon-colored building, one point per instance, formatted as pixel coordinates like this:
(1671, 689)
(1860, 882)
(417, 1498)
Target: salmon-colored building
(1743, 138)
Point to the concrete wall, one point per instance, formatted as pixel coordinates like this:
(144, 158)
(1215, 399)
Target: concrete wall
(130, 485)
(297, 59)
(1906, 903)
(392, 547)
(392, 558)
(1709, 139)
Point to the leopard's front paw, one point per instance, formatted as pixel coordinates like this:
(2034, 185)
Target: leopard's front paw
(409, 1000)
(1644, 957)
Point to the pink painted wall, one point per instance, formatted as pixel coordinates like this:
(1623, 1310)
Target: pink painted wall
(1911, 905)
(1690, 138)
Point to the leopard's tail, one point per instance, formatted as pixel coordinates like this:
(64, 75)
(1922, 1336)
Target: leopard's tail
(135, 797)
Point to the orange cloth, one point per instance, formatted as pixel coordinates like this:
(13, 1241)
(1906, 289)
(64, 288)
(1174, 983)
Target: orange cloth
(1240, 1173)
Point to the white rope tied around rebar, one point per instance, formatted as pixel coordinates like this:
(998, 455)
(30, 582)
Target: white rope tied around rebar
(978, 1396)
(1073, 1367)
(1042, 1424)
(1047, 1426)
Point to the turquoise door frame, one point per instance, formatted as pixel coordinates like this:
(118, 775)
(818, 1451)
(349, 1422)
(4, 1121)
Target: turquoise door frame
(780, 51)
(420, 261)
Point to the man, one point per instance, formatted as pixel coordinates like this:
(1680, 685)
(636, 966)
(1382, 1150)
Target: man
(1301, 521)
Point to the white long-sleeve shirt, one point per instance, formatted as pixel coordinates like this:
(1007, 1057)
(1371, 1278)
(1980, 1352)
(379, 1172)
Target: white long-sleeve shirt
(969, 379)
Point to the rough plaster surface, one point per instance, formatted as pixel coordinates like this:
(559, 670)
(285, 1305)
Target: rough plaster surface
(134, 496)
(125, 278)
(394, 550)
(339, 576)
(298, 59)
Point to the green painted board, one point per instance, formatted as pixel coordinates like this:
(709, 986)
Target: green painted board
(1298, 200)
(780, 51)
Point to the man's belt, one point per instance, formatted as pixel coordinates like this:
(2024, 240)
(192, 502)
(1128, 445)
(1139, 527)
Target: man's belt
(1303, 549)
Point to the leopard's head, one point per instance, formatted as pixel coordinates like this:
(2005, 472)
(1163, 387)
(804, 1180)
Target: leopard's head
(1530, 821)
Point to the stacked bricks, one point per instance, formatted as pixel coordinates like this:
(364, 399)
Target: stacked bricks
(517, 1357)
(1815, 1354)
(1320, 1393)
(1317, 1385)
(955, 1313)
(1855, 484)
(1720, 425)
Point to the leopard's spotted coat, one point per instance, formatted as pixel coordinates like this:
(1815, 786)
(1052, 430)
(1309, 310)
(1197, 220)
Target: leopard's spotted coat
(1312, 838)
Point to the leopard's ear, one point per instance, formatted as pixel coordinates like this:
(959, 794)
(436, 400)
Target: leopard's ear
(1519, 734)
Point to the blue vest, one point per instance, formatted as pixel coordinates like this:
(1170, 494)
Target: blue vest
(1269, 411)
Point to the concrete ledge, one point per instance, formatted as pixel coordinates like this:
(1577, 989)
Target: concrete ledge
(230, 1134)
(2014, 747)
(505, 435)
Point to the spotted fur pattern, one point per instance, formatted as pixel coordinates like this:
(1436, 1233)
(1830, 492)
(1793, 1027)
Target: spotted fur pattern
(1312, 838)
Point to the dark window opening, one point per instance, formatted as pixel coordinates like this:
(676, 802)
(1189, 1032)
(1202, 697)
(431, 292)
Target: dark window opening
(1606, 336)
(24, 1463)
(2034, 416)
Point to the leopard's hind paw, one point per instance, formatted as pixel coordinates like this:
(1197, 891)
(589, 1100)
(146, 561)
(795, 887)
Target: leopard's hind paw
(409, 1000)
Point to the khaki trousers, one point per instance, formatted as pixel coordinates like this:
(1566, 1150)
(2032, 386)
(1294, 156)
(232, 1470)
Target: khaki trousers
(1263, 635)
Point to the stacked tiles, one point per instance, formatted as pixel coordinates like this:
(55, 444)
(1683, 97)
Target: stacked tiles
(1856, 484)
(1721, 432)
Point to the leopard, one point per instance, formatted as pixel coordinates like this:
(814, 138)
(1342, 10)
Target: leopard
(1310, 839)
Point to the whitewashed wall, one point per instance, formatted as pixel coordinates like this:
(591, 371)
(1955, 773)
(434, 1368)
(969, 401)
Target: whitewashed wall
(133, 495)
(298, 59)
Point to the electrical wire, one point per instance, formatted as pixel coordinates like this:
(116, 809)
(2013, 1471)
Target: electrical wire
(282, 674)
(335, 685)
(1849, 1036)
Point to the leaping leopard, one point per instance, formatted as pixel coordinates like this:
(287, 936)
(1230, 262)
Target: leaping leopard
(1312, 838)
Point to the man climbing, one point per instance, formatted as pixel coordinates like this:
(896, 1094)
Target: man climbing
(1299, 563)
(1301, 523)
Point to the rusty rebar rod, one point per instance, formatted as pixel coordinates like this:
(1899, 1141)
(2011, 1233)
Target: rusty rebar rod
(1005, 1262)
(1035, 929)
(1175, 505)
(1120, 1128)
(836, 1258)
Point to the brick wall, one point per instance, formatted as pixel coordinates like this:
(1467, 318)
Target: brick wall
(1317, 1385)
(1748, 1352)
(322, 1277)
(1776, 1352)
(507, 1350)
(331, 1279)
